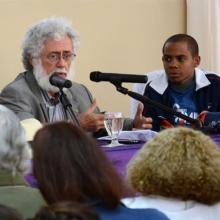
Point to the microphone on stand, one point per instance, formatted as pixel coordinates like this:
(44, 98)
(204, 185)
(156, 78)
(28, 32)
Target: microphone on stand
(97, 76)
(59, 82)
(117, 78)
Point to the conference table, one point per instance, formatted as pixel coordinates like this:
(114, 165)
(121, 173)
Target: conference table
(119, 156)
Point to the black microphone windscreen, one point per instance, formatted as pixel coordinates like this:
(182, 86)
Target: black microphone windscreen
(58, 81)
(67, 84)
(97, 76)
(94, 76)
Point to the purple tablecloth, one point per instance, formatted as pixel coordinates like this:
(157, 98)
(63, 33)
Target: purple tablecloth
(216, 138)
(121, 155)
(118, 155)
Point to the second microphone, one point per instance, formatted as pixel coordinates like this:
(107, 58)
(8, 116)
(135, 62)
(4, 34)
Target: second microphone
(97, 76)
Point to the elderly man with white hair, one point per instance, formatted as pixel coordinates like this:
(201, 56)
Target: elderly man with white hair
(50, 47)
(15, 155)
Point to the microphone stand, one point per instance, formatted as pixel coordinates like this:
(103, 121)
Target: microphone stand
(195, 122)
(67, 106)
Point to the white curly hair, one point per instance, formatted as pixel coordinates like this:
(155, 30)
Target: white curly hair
(36, 35)
(15, 152)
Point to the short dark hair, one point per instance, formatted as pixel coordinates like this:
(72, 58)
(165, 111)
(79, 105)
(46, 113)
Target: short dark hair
(66, 210)
(191, 42)
(69, 166)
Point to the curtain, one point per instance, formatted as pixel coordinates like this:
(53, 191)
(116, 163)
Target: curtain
(203, 23)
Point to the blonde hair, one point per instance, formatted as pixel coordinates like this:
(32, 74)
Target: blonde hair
(179, 162)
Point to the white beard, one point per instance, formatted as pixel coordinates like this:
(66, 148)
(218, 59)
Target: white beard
(43, 78)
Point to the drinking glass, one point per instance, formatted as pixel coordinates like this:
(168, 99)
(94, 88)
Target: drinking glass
(113, 122)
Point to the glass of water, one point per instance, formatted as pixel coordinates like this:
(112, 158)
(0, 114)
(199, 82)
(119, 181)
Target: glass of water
(113, 124)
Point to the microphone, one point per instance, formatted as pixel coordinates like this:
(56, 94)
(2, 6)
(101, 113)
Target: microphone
(59, 82)
(97, 76)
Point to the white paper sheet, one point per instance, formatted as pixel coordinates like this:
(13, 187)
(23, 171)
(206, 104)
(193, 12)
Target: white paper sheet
(142, 135)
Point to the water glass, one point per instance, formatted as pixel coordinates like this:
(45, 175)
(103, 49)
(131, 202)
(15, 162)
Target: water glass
(113, 122)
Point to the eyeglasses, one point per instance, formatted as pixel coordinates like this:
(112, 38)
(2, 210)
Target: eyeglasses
(54, 57)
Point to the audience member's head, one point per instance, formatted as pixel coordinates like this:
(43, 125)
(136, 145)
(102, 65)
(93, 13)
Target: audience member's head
(69, 166)
(14, 150)
(180, 163)
(66, 211)
(9, 213)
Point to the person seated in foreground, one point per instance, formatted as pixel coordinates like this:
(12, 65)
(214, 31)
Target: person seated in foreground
(178, 172)
(65, 211)
(70, 167)
(183, 87)
(9, 213)
(15, 156)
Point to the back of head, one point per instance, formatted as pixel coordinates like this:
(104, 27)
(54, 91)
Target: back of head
(50, 28)
(191, 42)
(14, 150)
(69, 166)
(66, 211)
(179, 162)
(8, 213)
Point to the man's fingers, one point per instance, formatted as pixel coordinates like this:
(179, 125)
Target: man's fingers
(92, 107)
(92, 122)
(148, 120)
(146, 123)
(140, 109)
